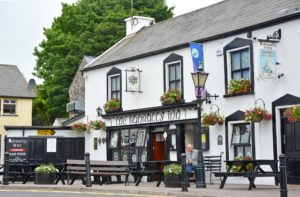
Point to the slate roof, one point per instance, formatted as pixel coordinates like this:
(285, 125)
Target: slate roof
(13, 83)
(200, 25)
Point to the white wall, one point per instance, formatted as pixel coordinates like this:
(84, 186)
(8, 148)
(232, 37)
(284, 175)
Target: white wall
(268, 90)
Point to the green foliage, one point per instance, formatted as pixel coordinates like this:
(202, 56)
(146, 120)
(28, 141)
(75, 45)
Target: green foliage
(171, 97)
(88, 27)
(45, 169)
(172, 169)
(239, 86)
(112, 105)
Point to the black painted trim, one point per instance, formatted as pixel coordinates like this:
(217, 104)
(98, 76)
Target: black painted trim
(151, 109)
(238, 43)
(169, 60)
(207, 39)
(113, 71)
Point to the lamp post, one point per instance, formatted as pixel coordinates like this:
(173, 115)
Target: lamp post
(199, 79)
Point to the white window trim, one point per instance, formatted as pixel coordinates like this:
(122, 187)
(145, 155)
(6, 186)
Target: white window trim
(109, 84)
(2, 107)
(167, 74)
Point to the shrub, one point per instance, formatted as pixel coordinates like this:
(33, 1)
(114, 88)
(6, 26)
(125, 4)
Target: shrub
(172, 169)
(45, 169)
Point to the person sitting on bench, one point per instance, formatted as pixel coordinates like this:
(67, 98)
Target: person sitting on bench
(191, 158)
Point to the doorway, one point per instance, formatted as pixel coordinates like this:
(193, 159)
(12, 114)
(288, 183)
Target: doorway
(158, 146)
(291, 147)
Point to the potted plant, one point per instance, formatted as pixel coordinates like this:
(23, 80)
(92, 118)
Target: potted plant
(238, 168)
(45, 174)
(171, 97)
(172, 175)
(257, 115)
(293, 114)
(97, 125)
(239, 86)
(112, 105)
(212, 118)
(80, 127)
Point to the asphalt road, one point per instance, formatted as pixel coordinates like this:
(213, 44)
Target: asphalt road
(49, 193)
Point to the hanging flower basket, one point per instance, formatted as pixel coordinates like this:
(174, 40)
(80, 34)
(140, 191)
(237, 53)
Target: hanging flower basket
(258, 114)
(212, 118)
(97, 125)
(80, 127)
(293, 114)
(239, 87)
(112, 105)
(171, 97)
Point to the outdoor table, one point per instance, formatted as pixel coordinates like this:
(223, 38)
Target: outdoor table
(151, 168)
(251, 175)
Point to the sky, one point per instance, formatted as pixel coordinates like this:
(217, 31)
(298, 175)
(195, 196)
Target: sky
(22, 23)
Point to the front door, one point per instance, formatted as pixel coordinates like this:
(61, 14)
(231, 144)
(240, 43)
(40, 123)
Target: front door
(158, 148)
(291, 147)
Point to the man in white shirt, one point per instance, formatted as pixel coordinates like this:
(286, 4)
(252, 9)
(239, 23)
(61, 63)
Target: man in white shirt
(191, 158)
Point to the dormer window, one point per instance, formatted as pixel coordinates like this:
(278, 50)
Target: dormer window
(240, 64)
(114, 85)
(174, 76)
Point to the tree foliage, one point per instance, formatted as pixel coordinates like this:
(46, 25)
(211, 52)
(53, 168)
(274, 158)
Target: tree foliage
(88, 27)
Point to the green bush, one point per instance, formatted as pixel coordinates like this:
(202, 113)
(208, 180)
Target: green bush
(172, 169)
(46, 169)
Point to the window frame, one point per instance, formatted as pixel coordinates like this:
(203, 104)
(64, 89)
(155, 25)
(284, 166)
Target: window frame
(235, 45)
(111, 73)
(240, 70)
(10, 104)
(176, 80)
(118, 91)
(240, 144)
(173, 59)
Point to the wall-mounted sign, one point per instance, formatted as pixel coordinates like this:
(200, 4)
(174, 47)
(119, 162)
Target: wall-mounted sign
(267, 67)
(17, 149)
(45, 132)
(133, 82)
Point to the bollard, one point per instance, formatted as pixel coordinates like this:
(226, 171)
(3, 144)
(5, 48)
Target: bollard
(184, 178)
(6, 168)
(200, 173)
(88, 181)
(283, 176)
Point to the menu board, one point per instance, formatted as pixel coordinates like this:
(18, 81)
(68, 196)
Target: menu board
(17, 149)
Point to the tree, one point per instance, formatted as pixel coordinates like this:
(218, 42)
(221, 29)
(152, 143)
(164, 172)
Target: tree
(88, 27)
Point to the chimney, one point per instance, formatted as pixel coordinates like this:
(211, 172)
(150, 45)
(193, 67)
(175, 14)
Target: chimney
(135, 23)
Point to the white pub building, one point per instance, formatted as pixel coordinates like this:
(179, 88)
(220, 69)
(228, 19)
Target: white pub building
(251, 41)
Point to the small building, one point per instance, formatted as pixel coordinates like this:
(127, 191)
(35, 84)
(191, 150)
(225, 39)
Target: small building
(16, 98)
(254, 41)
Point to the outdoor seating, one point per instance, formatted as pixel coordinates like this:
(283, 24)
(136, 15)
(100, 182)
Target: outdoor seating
(252, 174)
(77, 169)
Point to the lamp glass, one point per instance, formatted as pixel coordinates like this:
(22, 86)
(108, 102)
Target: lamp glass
(199, 78)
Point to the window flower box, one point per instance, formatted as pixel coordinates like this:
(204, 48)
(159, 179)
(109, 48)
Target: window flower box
(293, 114)
(112, 105)
(80, 127)
(257, 115)
(171, 97)
(97, 125)
(239, 87)
(212, 118)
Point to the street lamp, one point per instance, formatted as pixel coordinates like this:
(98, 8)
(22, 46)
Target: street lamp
(199, 79)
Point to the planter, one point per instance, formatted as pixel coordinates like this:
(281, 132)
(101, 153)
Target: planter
(172, 181)
(45, 179)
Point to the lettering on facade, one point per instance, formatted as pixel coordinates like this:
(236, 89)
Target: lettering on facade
(148, 118)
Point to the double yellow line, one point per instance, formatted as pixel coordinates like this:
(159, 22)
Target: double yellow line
(79, 192)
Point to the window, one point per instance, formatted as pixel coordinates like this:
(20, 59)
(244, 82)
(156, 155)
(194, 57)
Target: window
(241, 140)
(173, 73)
(174, 76)
(114, 84)
(115, 87)
(240, 64)
(128, 145)
(9, 107)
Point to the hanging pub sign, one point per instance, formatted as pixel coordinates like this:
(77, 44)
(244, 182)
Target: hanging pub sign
(17, 149)
(267, 67)
(133, 83)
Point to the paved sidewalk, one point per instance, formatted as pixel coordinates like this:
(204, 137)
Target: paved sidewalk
(150, 189)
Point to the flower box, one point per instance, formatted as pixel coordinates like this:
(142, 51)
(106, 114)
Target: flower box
(171, 97)
(212, 118)
(239, 87)
(172, 175)
(112, 105)
(97, 125)
(80, 127)
(45, 174)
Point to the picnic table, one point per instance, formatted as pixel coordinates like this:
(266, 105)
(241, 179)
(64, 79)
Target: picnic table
(148, 168)
(251, 175)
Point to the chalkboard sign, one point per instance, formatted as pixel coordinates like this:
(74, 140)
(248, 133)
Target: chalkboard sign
(17, 149)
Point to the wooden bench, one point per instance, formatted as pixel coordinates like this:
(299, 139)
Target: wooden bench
(77, 169)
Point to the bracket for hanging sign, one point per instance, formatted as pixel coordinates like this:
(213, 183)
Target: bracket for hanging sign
(272, 38)
(133, 80)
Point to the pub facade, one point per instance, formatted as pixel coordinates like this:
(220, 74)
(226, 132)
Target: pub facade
(133, 75)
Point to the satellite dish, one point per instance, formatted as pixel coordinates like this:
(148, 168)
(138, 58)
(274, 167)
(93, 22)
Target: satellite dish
(31, 84)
